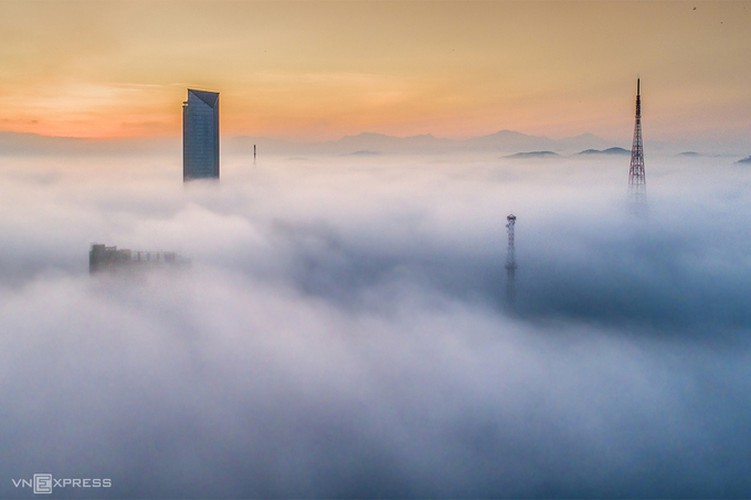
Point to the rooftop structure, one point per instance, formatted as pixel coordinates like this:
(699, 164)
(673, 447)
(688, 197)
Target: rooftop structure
(111, 259)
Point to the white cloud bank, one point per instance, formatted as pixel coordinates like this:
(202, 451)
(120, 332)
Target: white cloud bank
(343, 329)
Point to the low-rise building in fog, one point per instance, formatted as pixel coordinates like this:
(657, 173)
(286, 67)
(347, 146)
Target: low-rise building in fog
(111, 259)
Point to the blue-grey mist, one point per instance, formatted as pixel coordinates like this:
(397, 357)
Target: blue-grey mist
(345, 330)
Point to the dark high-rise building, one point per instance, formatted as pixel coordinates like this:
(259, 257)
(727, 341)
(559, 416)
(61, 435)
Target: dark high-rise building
(201, 135)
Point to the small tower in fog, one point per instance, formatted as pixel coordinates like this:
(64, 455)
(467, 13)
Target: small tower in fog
(510, 258)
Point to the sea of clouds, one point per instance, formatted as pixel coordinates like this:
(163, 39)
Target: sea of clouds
(346, 328)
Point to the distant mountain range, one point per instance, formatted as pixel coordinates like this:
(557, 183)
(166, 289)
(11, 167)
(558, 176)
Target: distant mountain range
(14, 143)
(534, 154)
(609, 151)
(502, 143)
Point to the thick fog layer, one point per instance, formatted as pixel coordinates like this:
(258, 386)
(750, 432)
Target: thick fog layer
(346, 328)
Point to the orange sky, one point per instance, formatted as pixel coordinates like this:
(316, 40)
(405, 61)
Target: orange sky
(320, 70)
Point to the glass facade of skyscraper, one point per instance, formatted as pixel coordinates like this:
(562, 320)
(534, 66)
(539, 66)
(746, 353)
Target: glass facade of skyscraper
(201, 135)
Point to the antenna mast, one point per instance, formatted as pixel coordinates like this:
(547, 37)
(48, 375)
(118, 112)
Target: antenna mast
(510, 258)
(637, 183)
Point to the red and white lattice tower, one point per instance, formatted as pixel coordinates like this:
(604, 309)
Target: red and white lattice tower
(637, 183)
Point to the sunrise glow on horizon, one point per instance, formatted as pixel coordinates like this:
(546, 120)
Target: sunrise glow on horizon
(321, 70)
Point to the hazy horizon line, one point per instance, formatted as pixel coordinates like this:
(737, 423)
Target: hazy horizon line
(504, 140)
(300, 140)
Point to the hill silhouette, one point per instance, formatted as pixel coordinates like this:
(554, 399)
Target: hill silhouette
(609, 151)
(534, 154)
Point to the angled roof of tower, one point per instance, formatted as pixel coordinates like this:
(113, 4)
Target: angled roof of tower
(209, 98)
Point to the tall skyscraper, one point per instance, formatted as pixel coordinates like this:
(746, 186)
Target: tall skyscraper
(201, 135)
